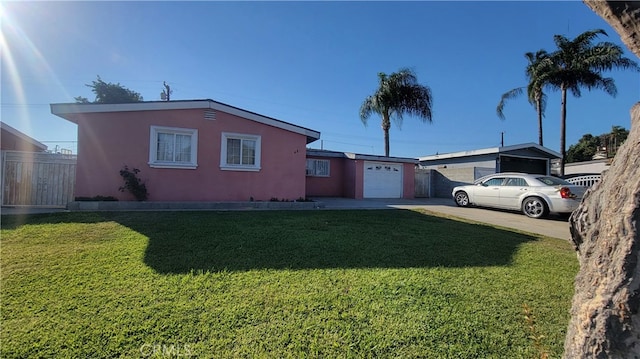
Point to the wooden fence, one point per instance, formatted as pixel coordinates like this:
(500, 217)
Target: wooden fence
(422, 183)
(37, 179)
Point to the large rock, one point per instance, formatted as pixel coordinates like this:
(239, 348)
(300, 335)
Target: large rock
(605, 230)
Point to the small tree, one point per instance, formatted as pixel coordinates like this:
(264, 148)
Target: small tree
(107, 92)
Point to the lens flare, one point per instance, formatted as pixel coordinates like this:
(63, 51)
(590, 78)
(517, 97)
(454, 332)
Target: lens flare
(21, 59)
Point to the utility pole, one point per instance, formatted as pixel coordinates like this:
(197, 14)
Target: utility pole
(502, 139)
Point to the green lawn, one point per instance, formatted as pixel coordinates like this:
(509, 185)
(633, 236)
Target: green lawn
(275, 284)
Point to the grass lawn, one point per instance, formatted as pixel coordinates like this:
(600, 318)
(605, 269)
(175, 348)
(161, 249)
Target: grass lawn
(277, 284)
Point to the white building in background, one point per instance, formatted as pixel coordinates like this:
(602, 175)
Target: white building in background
(587, 167)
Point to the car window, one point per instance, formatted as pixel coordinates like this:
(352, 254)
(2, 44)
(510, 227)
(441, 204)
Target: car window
(520, 182)
(553, 181)
(493, 182)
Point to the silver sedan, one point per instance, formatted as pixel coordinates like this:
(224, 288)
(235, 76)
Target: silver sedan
(534, 195)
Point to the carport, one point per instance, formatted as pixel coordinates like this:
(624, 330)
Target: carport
(456, 168)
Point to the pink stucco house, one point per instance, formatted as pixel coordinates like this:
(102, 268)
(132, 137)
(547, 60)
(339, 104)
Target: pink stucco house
(197, 150)
(343, 174)
(14, 140)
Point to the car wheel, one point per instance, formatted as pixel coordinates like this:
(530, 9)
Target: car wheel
(462, 199)
(535, 207)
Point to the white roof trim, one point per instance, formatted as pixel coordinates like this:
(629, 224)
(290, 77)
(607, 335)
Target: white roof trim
(485, 151)
(358, 156)
(65, 109)
(479, 152)
(23, 136)
(315, 135)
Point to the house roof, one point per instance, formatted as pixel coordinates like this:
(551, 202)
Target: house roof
(66, 110)
(492, 150)
(358, 156)
(22, 136)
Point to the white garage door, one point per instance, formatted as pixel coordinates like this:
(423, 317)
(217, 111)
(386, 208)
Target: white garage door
(382, 180)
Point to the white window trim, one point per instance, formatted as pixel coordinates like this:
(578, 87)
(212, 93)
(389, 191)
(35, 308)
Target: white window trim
(223, 152)
(315, 167)
(153, 150)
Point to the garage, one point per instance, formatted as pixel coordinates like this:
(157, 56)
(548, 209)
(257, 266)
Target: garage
(523, 164)
(382, 180)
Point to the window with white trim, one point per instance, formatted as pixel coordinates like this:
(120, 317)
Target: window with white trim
(317, 168)
(172, 147)
(240, 152)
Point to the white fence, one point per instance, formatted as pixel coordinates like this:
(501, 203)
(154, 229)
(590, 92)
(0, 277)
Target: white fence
(37, 179)
(585, 181)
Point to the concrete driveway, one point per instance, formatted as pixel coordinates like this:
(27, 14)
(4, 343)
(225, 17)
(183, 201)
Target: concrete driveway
(554, 226)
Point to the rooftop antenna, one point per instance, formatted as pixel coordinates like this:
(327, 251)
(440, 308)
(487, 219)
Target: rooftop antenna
(502, 139)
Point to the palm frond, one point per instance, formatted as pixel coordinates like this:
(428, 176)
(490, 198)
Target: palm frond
(367, 108)
(596, 81)
(507, 96)
(588, 36)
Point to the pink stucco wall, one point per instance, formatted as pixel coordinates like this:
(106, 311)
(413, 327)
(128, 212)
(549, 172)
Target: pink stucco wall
(347, 179)
(108, 141)
(332, 186)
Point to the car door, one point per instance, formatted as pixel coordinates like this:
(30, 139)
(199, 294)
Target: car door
(487, 193)
(511, 192)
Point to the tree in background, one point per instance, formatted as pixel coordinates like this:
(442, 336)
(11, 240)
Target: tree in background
(612, 141)
(397, 94)
(107, 92)
(584, 150)
(577, 64)
(535, 95)
(165, 95)
(590, 145)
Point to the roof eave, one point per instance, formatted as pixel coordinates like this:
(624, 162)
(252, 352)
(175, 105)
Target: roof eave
(23, 136)
(68, 110)
(485, 151)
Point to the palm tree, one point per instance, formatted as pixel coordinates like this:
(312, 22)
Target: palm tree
(397, 94)
(535, 95)
(579, 63)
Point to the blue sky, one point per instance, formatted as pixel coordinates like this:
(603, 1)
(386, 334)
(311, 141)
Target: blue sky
(308, 63)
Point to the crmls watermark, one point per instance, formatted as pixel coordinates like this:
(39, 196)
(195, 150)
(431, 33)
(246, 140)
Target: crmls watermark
(163, 350)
